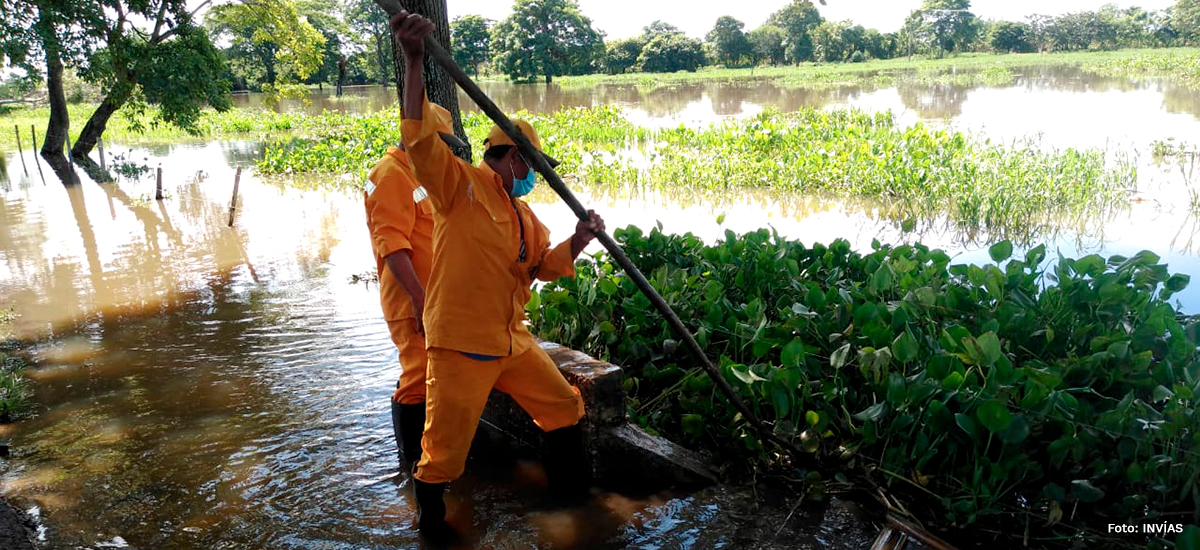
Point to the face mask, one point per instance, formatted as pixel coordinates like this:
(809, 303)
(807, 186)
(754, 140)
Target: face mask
(522, 187)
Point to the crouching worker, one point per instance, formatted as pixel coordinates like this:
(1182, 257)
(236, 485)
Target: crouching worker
(400, 221)
(487, 249)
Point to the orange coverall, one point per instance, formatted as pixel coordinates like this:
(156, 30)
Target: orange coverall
(476, 300)
(400, 217)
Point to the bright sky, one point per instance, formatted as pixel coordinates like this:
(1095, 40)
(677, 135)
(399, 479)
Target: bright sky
(625, 18)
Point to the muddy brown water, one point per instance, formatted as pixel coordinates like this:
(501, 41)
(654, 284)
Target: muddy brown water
(200, 386)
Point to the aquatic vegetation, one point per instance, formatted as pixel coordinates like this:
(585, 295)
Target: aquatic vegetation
(348, 144)
(1015, 393)
(919, 171)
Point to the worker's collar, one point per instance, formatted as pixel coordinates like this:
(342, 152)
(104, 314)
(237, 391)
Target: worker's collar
(398, 154)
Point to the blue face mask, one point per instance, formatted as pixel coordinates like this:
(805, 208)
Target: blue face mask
(522, 187)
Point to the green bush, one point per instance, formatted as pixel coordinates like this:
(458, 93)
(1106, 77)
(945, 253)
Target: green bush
(985, 396)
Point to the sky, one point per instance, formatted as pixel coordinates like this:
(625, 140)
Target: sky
(625, 18)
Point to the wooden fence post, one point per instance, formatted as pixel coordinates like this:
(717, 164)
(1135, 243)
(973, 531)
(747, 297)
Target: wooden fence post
(20, 151)
(158, 191)
(38, 162)
(237, 178)
(100, 142)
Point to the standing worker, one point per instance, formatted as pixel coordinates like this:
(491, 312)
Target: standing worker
(400, 221)
(487, 248)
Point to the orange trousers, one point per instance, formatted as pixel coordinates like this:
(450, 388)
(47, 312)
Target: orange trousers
(457, 389)
(411, 390)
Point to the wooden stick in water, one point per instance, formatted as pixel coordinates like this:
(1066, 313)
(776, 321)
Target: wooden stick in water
(20, 151)
(100, 143)
(237, 178)
(36, 160)
(158, 190)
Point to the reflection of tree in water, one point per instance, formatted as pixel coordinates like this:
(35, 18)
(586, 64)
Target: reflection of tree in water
(727, 97)
(936, 101)
(794, 99)
(159, 390)
(1069, 78)
(670, 100)
(1179, 99)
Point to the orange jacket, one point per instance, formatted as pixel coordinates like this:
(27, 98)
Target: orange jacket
(478, 288)
(399, 218)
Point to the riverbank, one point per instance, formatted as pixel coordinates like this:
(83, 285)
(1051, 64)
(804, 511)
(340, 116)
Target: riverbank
(17, 529)
(1177, 63)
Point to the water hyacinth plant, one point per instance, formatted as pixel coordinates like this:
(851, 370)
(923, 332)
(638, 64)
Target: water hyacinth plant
(1055, 397)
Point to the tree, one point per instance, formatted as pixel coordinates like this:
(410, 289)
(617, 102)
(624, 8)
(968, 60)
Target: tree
(622, 55)
(271, 42)
(332, 27)
(947, 25)
(828, 43)
(472, 40)
(668, 53)
(370, 23)
(1185, 18)
(767, 42)
(546, 38)
(729, 42)
(1011, 37)
(46, 35)
(659, 28)
(797, 20)
(439, 87)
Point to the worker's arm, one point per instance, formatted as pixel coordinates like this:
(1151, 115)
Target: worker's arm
(435, 165)
(391, 215)
(400, 264)
(559, 261)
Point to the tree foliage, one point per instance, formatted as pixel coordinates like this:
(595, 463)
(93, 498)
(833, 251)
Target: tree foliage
(797, 20)
(471, 38)
(945, 25)
(622, 55)
(1008, 36)
(545, 38)
(767, 43)
(271, 42)
(1186, 19)
(729, 41)
(667, 53)
(370, 26)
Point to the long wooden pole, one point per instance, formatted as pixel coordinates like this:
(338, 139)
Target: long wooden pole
(20, 151)
(36, 160)
(100, 143)
(237, 178)
(158, 188)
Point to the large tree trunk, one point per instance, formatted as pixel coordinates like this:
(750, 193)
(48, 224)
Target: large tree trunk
(59, 125)
(438, 85)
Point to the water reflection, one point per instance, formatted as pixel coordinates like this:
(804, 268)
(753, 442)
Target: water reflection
(200, 386)
(705, 101)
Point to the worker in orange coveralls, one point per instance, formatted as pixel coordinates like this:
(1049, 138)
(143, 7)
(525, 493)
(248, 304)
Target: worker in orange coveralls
(400, 220)
(487, 248)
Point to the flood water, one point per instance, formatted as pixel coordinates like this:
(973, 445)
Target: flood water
(201, 386)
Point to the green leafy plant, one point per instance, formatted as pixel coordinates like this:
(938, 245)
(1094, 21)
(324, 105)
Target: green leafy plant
(985, 396)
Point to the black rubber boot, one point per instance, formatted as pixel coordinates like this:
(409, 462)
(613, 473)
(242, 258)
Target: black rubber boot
(408, 423)
(568, 469)
(431, 512)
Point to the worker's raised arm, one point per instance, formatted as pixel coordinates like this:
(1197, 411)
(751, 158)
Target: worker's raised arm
(435, 165)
